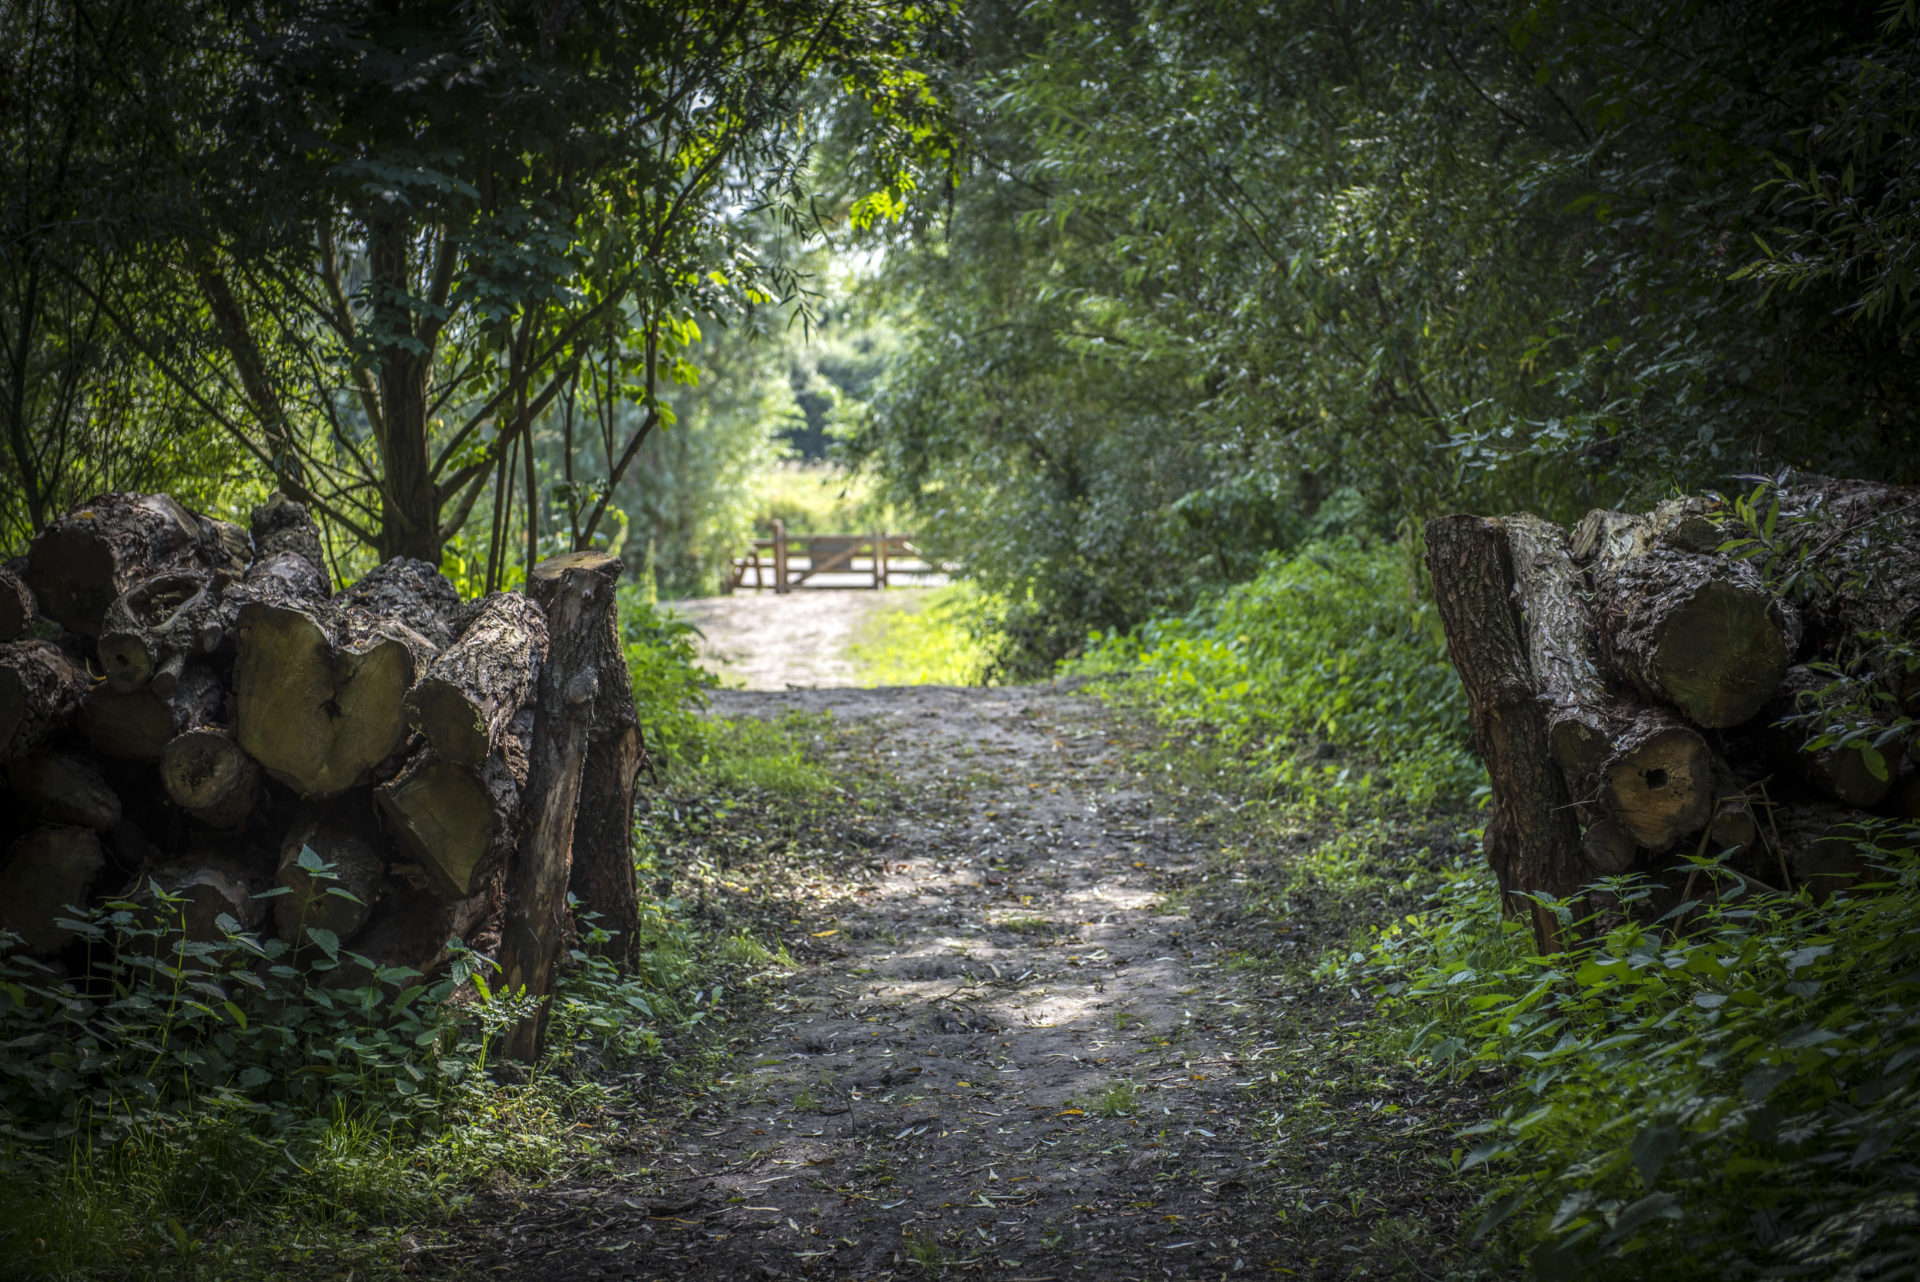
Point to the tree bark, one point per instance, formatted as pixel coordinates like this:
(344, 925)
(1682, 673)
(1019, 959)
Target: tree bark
(82, 562)
(139, 726)
(282, 525)
(603, 875)
(210, 778)
(1699, 631)
(319, 686)
(345, 839)
(1559, 635)
(153, 629)
(45, 873)
(55, 788)
(472, 692)
(1531, 839)
(17, 607)
(40, 688)
(538, 877)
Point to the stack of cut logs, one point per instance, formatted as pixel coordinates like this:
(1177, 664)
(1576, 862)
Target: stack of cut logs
(189, 705)
(1654, 685)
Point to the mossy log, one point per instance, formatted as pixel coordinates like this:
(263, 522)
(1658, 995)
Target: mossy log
(1806, 706)
(83, 562)
(456, 825)
(602, 874)
(473, 690)
(1559, 636)
(340, 897)
(41, 688)
(18, 609)
(156, 627)
(138, 726)
(47, 873)
(55, 788)
(208, 775)
(1693, 629)
(319, 685)
(1531, 841)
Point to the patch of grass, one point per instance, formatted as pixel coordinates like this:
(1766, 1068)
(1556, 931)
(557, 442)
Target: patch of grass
(1028, 925)
(932, 636)
(1120, 1099)
(924, 1250)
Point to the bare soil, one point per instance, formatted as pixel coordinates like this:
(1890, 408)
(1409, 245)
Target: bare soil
(1026, 1040)
(800, 639)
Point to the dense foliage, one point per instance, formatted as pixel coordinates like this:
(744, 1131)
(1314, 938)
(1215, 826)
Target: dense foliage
(1217, 277)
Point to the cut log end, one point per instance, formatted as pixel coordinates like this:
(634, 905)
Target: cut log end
(139, 726)
(1608, 847)
(203, 888)
(453, 824)
(55, 788)
(319, 719)
(1659, 784)
(152, 630)
(1720, 653)
(210, 778)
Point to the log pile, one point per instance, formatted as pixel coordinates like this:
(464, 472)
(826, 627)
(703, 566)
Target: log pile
(188, 705)
(1691, 681)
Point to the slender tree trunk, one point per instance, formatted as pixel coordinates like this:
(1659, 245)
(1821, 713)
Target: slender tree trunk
(409, 508)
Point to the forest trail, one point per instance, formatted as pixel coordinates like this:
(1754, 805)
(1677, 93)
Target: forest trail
(770, 641)
(1007, 1051)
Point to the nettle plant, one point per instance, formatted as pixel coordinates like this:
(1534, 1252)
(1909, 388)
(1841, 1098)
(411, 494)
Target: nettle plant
(1726, 1089)
(156, 1028)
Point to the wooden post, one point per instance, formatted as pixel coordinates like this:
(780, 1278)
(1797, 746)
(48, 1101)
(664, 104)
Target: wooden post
(879, 560)
(537, 879)
(779, 556)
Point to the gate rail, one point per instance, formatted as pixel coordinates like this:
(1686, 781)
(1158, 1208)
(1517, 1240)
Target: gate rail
(787, 561)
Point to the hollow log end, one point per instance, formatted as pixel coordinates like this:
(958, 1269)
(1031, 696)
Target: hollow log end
(127, 662)
(1720, 654)
(1661, 786)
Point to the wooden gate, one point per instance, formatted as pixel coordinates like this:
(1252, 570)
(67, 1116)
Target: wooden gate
(787, 561)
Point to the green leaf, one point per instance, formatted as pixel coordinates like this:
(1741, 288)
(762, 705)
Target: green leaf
(1651, 1148)
(1654, 1206)
(325, 940)
(1496, 1215)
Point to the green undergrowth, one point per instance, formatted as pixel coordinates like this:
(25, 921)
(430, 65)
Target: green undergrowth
(929, 636)
(1725, 1091)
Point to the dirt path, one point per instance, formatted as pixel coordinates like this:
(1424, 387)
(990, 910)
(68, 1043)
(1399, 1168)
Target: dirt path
(1008, 1052)
(764, 641)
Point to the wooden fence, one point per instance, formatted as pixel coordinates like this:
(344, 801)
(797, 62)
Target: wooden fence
(787, 561)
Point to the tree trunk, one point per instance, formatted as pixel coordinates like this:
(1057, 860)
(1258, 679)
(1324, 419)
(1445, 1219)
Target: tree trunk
(1531, 839)
(151, 631)
(472, 692)
(1559, 636)
(454, 824)
(139, 726)
(1699, 631)
(46, 873)
(318, 687)
(17, 607)
(210, 778)
(40, 688)
(603, 874)
(57, 789)
(87, 558)
(538, 877)
(344, 841)
(409, 509)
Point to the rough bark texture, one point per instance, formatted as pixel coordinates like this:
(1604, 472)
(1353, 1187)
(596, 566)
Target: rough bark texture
(456, 825)
(1701, 632)
(17, 607)
(83, 561)
(228, 548)
(210, 778)
(156, 627)
(281, 526)
(1659, 782)
(140, 725)
(40, 689)
(54, 788)
(537, 880)
(474, 689)
(318, 686)
(45, 873)
(1560, 650)
(1531, 839)
(346, 842)
(1840, 772)
(603, 876)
